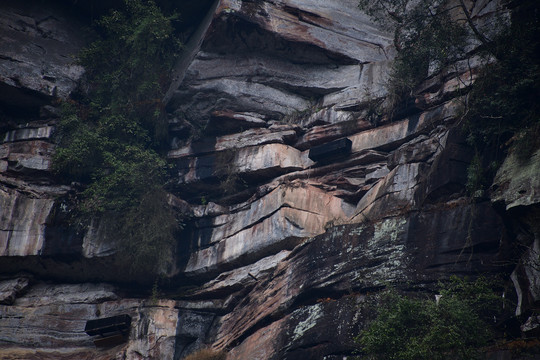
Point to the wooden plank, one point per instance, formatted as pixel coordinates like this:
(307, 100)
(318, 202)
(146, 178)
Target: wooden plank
(106, 325)
(109, 341)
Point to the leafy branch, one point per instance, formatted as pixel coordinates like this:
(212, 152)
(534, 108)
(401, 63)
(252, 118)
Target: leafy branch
(112, 138)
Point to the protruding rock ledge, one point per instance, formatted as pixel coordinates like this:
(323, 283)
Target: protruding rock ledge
(269, 224)
(264, 162)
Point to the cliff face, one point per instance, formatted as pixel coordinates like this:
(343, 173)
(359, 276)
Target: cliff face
(282, 256)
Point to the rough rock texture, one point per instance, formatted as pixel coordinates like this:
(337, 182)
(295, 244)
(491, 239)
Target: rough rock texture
(49, 322)
(38, 47)
(516, 188)
(281, 257)
(273, 58)
(266, 225)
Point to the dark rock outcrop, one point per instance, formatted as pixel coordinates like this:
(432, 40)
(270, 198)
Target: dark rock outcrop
(282, 257)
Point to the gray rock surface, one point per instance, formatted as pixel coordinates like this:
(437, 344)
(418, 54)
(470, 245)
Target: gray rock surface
(288, 264)
(38, 45)
(49, 321)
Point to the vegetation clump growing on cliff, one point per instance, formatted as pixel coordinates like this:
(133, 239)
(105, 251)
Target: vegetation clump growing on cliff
(426, 38)
(502, 107)
(503, 111)
(112, 138)
(503, 104)
(455, 326)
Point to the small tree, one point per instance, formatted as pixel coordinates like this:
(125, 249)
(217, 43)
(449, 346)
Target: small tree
(426, 36)
(112, 138)
(455, 327)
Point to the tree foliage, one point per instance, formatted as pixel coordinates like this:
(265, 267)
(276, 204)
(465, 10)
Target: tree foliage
(504, 100)
(502, 106)
(426, 36)
(455, 327)
(110, 140)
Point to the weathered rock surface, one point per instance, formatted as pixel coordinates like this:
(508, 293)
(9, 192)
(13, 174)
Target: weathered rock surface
(23, 221)
(266, 162)
(516, 187)
(270, 223)
(26, 156)
(49, 322)
(38, 46)
(9, 289)
(517, 181)
(288, 264)
(278, 56)
(358, 258)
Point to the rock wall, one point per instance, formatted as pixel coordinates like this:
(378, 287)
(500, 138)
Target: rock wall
(283, 256)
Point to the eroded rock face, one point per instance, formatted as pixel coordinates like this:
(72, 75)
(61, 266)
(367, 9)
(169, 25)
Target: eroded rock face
(50, 320)
(38, 47)
(517, 181)
(272, 58)
(516, 187)
(348, 259)
(288, 264)
(23, 223)
(275, 221)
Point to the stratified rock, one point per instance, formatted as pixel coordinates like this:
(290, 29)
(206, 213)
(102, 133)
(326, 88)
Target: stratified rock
(274, 222)
(253, 137)
(517, 182)
(420, 149)
(273, 58)
(37, 48)
(311, 331)
(241, 278)
(393, 194)
(27, 156)
(225, 122)
(324, 133)
(29, 133)
(53, 318)
(10, 289)
(23, 220)
(257, 162)
(290, 267)
(414, 249)
(395, 134)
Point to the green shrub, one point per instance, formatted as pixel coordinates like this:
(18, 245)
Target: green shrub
(503, 104)
(426, 39)
(111, 140)
(455, 327)
(503, 110)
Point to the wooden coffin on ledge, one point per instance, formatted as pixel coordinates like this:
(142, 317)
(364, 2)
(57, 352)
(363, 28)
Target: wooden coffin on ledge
(109, 331)
(330, 151)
